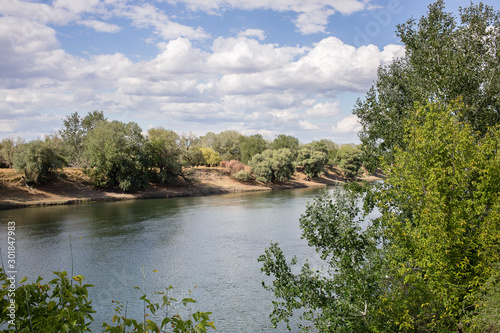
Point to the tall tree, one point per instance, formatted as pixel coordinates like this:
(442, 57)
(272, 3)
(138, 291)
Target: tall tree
(73, 133)
(116, 155)
(38, 160)
(444, 60)
(426, 261)
(163, 150)
(251, 146)
(286, 141)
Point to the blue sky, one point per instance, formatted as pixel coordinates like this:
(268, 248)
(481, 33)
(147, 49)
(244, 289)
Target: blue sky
(256, 66)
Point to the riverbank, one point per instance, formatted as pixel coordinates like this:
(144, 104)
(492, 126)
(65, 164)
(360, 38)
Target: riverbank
(73, 186)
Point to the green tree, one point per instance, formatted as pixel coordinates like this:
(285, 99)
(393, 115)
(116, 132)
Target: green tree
(273, 165)
(285, 141)
(444, 60)
(8, 149)
(73, 133)
(334, 298)
(348, 159)
(190, 154)
(251, 146)
(442, 215)
(164, 151)
(210, 157)
(312, 161)
(428, 261)
(116, 155)
(38, 160)
(228, 145)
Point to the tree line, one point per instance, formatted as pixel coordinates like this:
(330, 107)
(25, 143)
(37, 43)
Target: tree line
(118, 154)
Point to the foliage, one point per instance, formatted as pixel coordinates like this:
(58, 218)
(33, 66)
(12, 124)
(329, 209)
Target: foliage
(335, 297)
(428, 262)
(312, 161)
(273, 165)
(349, 161)
(444, 60)
(285, 141)
(238, 170)
(58, 306)
(226, 144)
(38, 160)
(160, 314)
(73, 133)
(487, 315)
(210, 157)
(8, 149)
(116, 156)
(190, 155)
(442, 214)
(62, 305)
(243, 175)
(164, 152)
(251, 146)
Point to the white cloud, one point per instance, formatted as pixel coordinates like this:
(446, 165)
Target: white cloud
(348, 124)
(260, 34)
(100, 26)
(241, 82)
(322, 110)
(149, 16)
(312, 15)
(308, 125)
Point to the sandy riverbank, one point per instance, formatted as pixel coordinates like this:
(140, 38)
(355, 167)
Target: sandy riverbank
(72, 186)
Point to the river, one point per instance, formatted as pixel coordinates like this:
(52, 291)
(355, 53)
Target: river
(208, 245)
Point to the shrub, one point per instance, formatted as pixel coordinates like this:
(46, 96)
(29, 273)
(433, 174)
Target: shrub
(242, 175)
(63, 306)
(234, 166)
(273, 165)
(312, 161)
(210, 156)
(116, 156)
(38, 161)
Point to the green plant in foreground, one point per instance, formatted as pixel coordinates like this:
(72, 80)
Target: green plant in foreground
(63, 306)
(197, 322)
(58, 306)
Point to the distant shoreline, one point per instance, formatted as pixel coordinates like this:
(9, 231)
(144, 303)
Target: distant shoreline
(71, 186)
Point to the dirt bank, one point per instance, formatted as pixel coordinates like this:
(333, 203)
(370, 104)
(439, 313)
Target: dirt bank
(72, 186)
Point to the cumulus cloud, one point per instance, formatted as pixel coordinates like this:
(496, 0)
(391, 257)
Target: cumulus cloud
(260, 34)
(312, 15)
(100, 26)
(322, 110)
(241, 82)
(348, 124)
(149, 16)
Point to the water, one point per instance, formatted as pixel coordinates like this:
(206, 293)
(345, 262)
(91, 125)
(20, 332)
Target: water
(209, 242)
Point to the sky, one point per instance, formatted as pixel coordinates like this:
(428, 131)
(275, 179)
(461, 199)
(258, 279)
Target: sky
(271, 67)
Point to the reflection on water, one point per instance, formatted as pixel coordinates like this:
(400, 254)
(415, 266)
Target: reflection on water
(212, 242)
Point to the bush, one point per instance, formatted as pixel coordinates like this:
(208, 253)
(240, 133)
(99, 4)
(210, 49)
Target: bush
(234, 166)
(312, 161)
(349, 161)
(242, 175)
(273, 165)
(116, 156)
(38, 161)
(210, 157)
